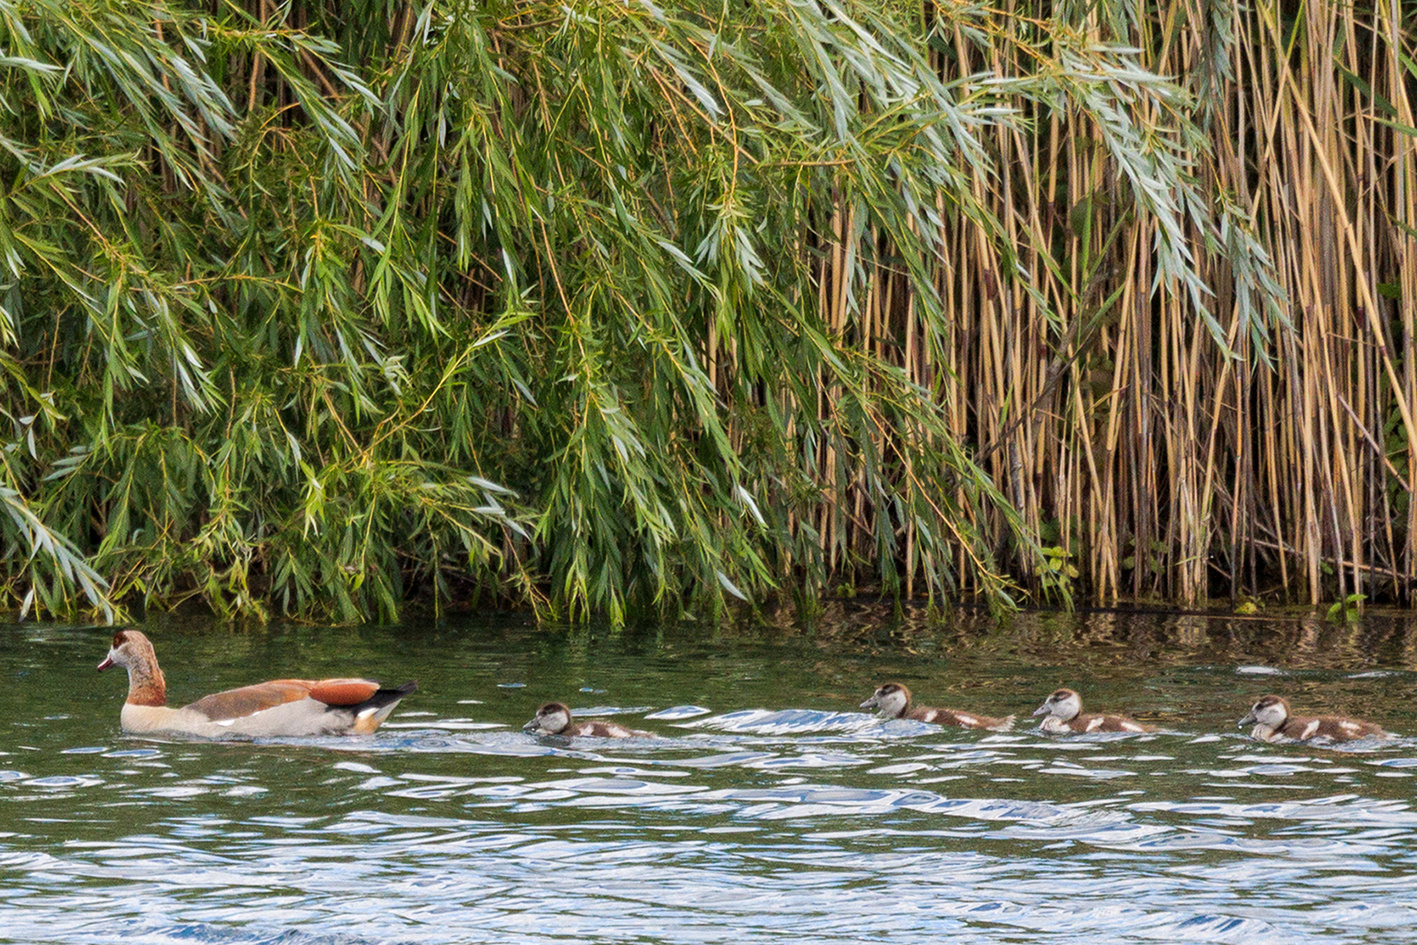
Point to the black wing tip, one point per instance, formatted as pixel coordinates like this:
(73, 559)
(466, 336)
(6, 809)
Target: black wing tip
(388, 695)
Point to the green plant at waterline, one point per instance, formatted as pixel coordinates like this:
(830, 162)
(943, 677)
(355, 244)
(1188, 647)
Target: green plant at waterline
(1348, 610)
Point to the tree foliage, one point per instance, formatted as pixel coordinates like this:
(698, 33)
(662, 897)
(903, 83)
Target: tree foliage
(603, 307)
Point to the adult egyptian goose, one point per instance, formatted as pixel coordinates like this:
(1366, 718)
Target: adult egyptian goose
(1273, 723)
(281, 707)
(554, 718)
(893, 701)
(1064, 716)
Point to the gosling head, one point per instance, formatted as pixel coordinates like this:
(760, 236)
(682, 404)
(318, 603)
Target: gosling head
(891, 699)
(551, 719)
(1271, 712)
(1063, 705)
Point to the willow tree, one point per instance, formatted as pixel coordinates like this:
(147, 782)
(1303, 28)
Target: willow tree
(603, 307)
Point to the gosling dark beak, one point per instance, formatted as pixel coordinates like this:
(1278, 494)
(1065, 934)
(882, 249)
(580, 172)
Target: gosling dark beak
(1041, 710)
(1249, 719)
(869, 703)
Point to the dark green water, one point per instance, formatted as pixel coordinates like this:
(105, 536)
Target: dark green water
(767, 809)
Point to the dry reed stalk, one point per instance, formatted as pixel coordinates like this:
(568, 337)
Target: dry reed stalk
(1402, 168)
(1199, 462)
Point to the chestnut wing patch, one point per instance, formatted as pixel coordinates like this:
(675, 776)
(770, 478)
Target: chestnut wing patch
(343, 691)
(248, 700)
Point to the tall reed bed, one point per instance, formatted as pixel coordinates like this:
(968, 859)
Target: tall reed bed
(611, 308)
(1254, 439)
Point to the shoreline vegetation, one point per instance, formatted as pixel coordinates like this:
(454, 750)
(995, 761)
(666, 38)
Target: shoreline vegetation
(613, 307)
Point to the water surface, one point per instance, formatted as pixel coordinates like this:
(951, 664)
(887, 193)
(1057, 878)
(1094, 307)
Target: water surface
(767, 808)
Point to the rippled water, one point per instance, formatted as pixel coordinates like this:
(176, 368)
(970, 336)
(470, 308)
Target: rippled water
(767, 808)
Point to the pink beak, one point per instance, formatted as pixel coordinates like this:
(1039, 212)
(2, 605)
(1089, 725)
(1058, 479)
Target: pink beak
(107, 662)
